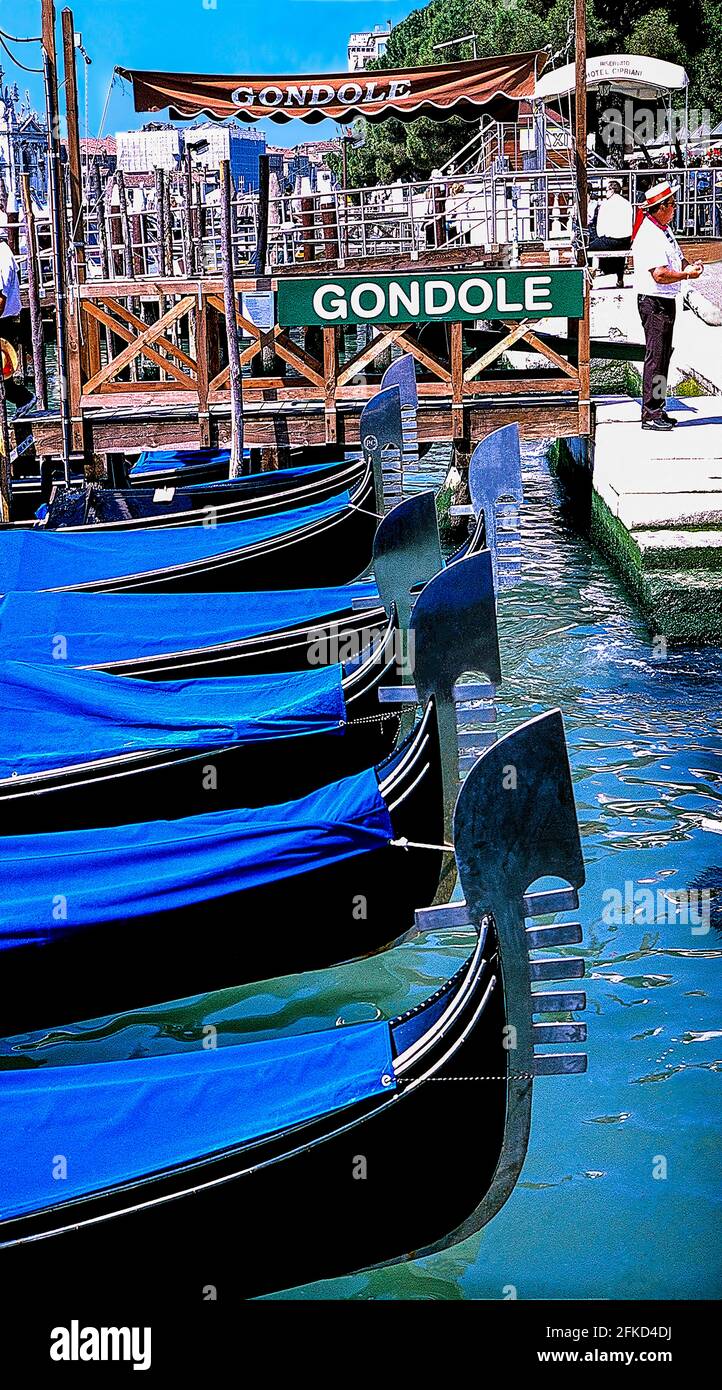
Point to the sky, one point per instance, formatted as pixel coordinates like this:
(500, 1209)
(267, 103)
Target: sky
(233, 36)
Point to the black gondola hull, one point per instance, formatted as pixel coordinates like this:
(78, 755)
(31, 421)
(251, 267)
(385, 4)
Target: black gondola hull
(399, 1177)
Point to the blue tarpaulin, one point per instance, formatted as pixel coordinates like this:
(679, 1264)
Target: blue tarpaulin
(119, 872)
(96, 629)
(53, 559)
(119, 1121)
(55, 715)
(162, 460)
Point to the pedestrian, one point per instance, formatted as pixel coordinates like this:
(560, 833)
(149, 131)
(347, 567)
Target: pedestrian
(613, 229)
(659, 271)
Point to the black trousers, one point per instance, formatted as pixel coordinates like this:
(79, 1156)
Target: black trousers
(657, 315)
(607, 265)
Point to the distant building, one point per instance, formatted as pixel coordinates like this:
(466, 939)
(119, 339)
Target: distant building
(242, 148)
(23, 149)
(162, 147)
(367, 45)
(303, 169)
(153, 147)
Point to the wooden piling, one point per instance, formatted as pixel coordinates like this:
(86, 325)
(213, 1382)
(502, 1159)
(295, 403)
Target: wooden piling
(36, 322)
(264, 177)
(128, 267)
(5, 468)
(186, 185)
(229, 302)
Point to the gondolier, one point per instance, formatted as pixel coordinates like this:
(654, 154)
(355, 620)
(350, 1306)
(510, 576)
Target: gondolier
(659, 270)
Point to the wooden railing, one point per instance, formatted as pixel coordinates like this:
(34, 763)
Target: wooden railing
(164, 341)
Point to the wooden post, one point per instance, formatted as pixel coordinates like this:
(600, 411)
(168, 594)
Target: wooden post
(202, 347)
(57, 209)
(168, 228)
(160, 220)
(127, 251)
(36, 321)
(264, 179)
(330, 373)
(229, 304)
(5, 468)
(580, 115)
(186, 186)
(457, 380)
(99, 201)
(71, 111)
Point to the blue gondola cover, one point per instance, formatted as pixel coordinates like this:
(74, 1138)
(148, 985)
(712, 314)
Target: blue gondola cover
(56, 715)
(50, 560)
(59, 883)
(153, 461)
(96, 629)
(119, 1121)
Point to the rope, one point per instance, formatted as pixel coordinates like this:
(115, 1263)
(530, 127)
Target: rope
(403, 843)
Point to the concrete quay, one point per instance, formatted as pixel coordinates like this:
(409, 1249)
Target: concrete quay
(656, 509)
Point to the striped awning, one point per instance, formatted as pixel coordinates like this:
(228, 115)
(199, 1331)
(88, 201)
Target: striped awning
(440, 90)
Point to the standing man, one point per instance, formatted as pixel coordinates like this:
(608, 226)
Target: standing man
(613, 231)
(659, 270)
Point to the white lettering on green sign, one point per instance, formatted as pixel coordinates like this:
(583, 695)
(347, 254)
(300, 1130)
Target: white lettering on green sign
(411, 298)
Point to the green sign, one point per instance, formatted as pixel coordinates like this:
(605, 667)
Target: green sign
(460, 296)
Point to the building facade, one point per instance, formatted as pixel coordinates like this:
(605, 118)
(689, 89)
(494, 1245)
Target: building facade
(371, 43)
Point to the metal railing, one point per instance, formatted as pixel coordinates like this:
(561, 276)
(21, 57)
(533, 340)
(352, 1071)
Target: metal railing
(466, 213)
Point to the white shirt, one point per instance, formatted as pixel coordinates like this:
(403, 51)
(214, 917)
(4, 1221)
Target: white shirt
(9, 282)
(615, 217)
(655, 247)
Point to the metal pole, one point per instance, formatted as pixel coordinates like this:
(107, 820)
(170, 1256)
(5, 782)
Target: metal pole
(580, 109)
(5, 466)
(57, 210)
(229, 304)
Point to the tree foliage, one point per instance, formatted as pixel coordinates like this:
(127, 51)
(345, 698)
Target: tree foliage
(394, 150)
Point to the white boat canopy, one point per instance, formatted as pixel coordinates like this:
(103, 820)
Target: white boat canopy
(634, 74)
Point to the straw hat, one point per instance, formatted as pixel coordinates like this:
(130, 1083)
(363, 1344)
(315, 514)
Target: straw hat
(660, 193)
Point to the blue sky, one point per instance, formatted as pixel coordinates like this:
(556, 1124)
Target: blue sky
(234, 36)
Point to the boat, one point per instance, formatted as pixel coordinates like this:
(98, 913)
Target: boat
(180, 467)
(167, 636)
(94, 508)
(83, 748)
(116, 917)
(146, 888)
(238, 1162)
(330, 541)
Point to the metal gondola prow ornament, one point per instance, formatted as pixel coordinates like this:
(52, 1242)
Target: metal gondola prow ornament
(381, 434)
(515, 822)
(402, 373)
(495, 485)
(407, 552)
(454, 631)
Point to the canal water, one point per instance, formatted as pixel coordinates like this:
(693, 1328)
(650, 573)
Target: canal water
(617, 1198)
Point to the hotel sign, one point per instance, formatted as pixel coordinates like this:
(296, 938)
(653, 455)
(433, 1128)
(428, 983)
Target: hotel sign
(446, 298)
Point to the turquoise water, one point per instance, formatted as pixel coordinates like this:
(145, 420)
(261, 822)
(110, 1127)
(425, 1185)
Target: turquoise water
(589, 1218)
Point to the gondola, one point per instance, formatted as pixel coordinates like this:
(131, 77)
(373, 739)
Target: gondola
(171, 637)
(238, 1163)
(148, 889)
(180, 467)
(119, 916)
(100, 510)
(129, 743)
(329, 542)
